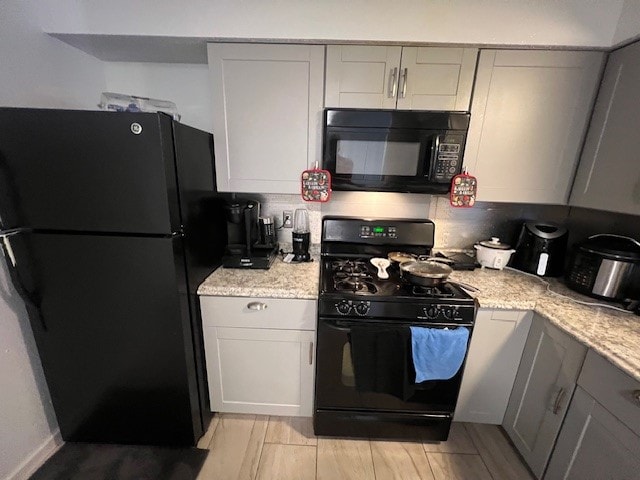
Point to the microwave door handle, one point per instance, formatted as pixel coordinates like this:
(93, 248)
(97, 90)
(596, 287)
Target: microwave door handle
(434, 156)
(393, 84)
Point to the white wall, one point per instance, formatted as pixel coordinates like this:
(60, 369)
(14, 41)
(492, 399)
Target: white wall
(188, 86)
(39, 71)
(517, 22)
(629, 23)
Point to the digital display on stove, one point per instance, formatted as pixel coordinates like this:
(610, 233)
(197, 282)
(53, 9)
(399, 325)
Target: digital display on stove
(378, 231)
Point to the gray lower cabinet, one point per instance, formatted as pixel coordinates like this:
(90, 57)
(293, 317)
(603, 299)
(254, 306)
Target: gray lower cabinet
(594, 444)
(260, 354)
(600, 437)
(542, 390)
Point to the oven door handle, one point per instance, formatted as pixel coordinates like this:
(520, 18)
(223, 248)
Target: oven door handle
(340, 325)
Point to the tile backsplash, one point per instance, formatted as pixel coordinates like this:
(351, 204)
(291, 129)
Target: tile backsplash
(456, 228)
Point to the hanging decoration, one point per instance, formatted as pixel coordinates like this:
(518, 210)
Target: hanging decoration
(463, 190)
(316, 185)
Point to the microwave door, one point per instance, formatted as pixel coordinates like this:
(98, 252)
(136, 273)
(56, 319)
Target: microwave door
(375, 159)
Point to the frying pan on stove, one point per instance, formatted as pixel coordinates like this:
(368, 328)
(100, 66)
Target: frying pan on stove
(429, 273)
(425, 273)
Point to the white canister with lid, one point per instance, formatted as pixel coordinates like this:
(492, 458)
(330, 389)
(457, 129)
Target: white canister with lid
(493, 253)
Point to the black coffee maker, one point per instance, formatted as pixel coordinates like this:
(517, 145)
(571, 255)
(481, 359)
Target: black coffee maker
(244, 249)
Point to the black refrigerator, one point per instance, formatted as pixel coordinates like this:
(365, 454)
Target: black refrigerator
(109, 223)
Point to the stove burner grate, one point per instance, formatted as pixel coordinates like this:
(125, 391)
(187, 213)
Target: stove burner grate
(355, 283)
(435, 291)
(350, 266)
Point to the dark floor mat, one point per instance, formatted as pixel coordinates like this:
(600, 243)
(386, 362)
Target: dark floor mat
(80, 461)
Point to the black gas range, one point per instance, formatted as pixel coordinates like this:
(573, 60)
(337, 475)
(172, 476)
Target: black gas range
(351, 287)
(354, 301)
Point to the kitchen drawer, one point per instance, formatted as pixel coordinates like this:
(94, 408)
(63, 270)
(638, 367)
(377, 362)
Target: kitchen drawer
(613, 389)
(274, 313)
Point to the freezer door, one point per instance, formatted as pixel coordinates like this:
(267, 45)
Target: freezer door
(110, 316)
(87, 171)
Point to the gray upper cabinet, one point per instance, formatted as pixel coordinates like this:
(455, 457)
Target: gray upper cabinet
(600, 437)
(528, 117)
(267, 104)
(609, 174)
(406, 78)
(542, 390)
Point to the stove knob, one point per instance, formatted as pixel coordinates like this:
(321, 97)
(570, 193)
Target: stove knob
(448, 313)
(362, 308)
(431, 312)
(343, 307)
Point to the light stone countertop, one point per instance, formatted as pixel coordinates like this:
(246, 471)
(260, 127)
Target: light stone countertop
(614, 335)
(282, 280)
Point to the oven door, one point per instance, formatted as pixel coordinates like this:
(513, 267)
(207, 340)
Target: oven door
(383, 159)
(336, 385)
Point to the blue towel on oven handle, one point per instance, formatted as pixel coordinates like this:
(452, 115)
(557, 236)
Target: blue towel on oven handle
(438, 353)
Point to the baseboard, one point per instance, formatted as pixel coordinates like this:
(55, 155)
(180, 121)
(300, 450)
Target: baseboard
(38, 457)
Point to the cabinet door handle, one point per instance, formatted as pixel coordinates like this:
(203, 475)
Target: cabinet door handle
(311, 353)
(393, 85)
(557, 404)
(636, 395)
(257, 306)
(403, 81)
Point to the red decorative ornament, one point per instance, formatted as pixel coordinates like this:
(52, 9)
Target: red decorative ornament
(463, 190)
(316, 185)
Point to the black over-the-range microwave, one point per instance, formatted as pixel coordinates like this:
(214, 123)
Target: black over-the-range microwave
(393, 150)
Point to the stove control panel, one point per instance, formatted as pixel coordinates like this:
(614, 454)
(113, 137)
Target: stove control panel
(345, 307)
(441, 312)
(422, 312)
(378, 231)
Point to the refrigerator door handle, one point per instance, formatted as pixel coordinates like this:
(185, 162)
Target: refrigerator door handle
(29, 298)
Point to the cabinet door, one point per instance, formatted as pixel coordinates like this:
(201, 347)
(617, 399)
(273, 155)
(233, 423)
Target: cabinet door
(434, 78)
(594, 444)
(267, 372)
(362, 76)
(542, 390)
(492, 362)
(608, 177)
(267, 104)
(528, 117)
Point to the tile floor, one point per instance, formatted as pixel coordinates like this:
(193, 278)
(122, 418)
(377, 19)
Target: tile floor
(261, 447)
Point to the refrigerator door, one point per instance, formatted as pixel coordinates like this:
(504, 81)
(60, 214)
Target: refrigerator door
(204, 224)
(110, 316)
(87, 171)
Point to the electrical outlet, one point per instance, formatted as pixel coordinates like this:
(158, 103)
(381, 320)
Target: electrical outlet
(287, 219)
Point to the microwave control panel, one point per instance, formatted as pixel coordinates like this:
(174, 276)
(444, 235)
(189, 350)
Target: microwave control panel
(447, 158)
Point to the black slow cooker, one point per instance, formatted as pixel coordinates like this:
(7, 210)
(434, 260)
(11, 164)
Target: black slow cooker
(606, 266)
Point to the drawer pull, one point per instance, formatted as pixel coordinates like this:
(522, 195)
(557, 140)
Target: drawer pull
(636, 395)
(311, 353)
(557, 404)
(257, 306)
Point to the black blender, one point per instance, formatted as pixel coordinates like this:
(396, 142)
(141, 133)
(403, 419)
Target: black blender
(301, 236)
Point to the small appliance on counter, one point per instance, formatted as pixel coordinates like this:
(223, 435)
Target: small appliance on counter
(606, 266)
(493, 253)
(458, 260)
(250, 238)
(541, 249)
(301, 236)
